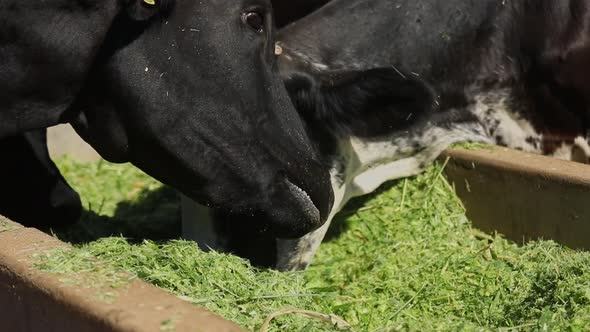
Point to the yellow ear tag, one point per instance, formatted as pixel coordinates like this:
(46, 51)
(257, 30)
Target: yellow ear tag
(150, 2)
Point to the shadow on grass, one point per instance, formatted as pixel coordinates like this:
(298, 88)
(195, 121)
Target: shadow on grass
(341, 222)
(154, 215)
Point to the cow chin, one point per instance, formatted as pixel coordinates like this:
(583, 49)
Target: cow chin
(105, 133)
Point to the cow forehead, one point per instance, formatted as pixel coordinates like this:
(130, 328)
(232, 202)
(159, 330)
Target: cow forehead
(212, 11)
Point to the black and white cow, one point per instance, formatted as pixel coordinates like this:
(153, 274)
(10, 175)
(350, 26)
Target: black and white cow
(188, 91)
(384, 86)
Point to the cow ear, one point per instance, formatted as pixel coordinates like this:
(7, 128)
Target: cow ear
(141, 10)
(364, 103)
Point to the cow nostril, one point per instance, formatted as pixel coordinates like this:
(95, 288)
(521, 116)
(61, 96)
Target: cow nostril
(292, 213)
(305, 201)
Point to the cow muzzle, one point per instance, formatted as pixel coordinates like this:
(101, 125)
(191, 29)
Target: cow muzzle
(292, 213)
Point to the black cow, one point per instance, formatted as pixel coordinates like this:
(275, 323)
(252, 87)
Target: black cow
(186, 90)
(384, 86)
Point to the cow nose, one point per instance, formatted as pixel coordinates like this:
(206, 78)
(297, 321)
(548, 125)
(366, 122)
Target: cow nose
(292, 212)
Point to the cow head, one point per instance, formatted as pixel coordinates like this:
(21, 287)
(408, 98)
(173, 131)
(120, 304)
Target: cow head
(190, 92)
(335, 105)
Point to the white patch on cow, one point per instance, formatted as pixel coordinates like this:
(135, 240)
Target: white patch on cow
(297, 254)
(198, 226)
(578, 151)
(563, 152)
(502, 123)
(581, 150)
(369, 164)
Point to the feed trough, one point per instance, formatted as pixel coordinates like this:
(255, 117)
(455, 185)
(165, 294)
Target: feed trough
(522, 195)
(406, 257)
(96, 299)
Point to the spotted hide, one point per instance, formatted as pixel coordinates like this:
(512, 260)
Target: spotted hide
(385, 86)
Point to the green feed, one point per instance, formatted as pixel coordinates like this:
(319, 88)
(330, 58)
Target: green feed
(405, 258)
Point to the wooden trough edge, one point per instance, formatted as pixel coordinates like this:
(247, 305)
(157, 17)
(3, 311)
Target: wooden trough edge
(32, 300)
(522, 195)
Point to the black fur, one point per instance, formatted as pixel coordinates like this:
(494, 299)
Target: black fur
(369, 103)
(185, 90)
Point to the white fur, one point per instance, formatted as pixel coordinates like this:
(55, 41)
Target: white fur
(517, 132)
(492, 107)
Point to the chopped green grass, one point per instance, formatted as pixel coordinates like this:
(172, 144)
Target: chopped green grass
(81, 268)
(405, 258)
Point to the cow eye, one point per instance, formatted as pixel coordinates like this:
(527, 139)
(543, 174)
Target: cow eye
(254, 20)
